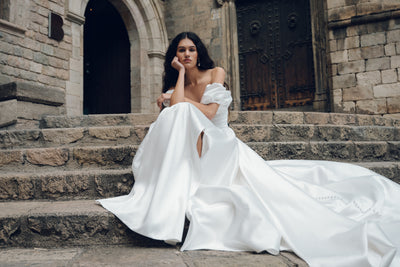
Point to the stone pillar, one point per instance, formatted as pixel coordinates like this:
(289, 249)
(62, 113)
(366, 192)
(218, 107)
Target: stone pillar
(74, 86)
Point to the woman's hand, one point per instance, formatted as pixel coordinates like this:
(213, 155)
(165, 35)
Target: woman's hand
(177, 65)
(161, 99)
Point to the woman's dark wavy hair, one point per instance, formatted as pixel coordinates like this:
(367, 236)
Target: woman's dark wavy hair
(171, 74)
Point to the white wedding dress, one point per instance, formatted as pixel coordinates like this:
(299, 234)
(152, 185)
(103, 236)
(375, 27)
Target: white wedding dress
(328, 213)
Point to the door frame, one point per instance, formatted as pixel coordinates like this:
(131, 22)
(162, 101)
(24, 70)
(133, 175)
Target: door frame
(319, 40)
(144, 21)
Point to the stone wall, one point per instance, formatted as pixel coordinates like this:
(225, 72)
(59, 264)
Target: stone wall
(364, 44)
(28, 55)
(204, 17)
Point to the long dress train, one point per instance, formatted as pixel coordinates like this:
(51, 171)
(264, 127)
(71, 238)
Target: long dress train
(328, 213)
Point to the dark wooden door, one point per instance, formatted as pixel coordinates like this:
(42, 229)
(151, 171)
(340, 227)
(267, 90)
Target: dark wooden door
(106, 61)
(275, 54)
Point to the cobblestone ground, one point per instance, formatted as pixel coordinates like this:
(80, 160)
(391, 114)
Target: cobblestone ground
(134, 256)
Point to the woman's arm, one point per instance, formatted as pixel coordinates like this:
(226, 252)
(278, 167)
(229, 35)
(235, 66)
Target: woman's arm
(179, 91)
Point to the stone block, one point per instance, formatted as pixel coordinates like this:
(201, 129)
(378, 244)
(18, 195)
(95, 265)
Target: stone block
(341, 13)
(8, 114)
(373, 39)
(333, 45)
(358, 93)
(11, 156)
(63, 136)
(378, 64)
(377, 106)
(352, 42)
(368, 8)
(110, 133)
(372, 52)
(343, 119)
(355, 54)
(316, 118)
(393, 36)
(395, 62)
(387, 90)
(253, 133)
(48, 156)
(351, 67)
(335, 3)
(393, 104)
(339, 56)
(34, 111)
(370, 151)
(32, 93)
(283, 117)
(390, 49)
(344, 81)
(369, 78)
(349, 107)
(389, 76)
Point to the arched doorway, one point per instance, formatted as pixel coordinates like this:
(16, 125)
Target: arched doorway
(107, 85)
(275, 54)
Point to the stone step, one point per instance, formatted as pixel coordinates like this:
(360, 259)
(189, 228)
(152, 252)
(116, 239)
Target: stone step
(236, 117)
(65, 185)
(63, 223)
(133, 135)
(96, 184)
(116, 157)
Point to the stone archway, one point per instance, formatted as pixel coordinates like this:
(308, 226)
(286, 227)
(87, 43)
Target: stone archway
(148, 38)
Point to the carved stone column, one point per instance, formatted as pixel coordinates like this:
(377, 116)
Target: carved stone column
(231, 49)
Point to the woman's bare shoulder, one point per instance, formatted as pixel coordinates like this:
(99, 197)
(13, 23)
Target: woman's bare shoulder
(217, 75)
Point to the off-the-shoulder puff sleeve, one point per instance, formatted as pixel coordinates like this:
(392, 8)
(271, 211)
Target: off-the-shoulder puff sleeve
(167, 102)
(217, 93)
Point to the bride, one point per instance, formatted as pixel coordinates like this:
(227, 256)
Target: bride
(190, 164)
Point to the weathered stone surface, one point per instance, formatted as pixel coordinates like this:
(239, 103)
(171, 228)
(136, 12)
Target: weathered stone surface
(16, 138)
(316, 118)
(141, 256)
(377, 106)
(63, 136)
(110, 156)
(393, 104)
(34, 93)
(8, 157)
(281, 132)
(259, 133)
(281, 150)
(368, 151)
(8, 114)
(343, 119)
(250, 117)
(48, 156)
(332, 150)
(110, 133)
(344, 81)
(35, 111)
(288, 117)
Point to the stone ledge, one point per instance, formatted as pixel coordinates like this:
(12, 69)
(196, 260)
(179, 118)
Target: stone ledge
(32, 93)
(365, 19)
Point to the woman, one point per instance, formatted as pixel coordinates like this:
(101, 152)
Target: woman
(191, 164)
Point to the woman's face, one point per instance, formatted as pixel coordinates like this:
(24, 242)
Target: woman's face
(187, 53)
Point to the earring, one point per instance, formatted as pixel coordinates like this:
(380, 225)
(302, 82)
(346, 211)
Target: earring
(198, 62)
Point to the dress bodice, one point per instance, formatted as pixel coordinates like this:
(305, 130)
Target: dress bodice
(215, 93)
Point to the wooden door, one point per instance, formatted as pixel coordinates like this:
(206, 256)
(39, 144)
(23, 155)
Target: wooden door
(106, 61)
(275, 54)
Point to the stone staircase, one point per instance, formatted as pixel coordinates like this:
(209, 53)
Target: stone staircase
(50, 177)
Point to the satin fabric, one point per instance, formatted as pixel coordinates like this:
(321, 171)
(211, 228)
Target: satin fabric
(328, 213)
